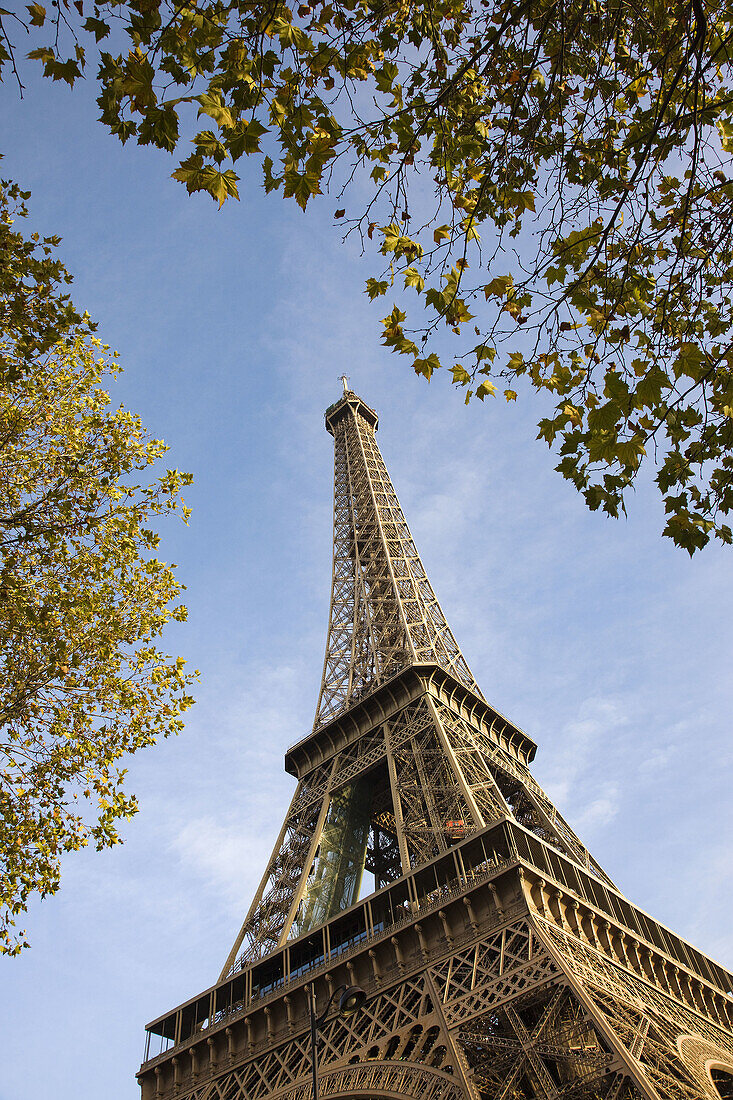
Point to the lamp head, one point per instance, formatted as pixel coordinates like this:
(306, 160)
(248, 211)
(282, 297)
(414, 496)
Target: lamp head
(351, 1000)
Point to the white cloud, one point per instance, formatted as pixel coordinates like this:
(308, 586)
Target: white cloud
(222, 860)
(578, 752)
(658, 760)
(601, 811)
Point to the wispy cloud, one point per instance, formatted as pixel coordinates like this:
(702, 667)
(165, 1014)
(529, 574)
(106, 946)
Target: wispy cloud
(222, 860)
(573, 774)
(601, 811)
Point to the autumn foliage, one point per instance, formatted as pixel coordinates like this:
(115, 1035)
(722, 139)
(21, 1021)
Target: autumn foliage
(83, 597)
(549, 178)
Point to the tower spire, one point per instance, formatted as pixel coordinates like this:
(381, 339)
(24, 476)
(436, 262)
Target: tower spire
(384, 615)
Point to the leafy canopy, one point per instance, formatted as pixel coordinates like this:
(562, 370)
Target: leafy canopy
(83, 598)
(575, 154)
(35, 312)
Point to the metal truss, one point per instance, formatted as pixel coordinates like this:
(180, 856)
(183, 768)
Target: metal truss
(499, 960)
(428, 766)
(491, 771)
(559, 1002)
(672, 1030)
(384, 614)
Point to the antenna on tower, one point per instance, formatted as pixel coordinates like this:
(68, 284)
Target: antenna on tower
(343, 379)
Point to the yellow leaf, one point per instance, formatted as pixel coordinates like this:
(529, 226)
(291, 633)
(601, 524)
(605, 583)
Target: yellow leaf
(486, 389)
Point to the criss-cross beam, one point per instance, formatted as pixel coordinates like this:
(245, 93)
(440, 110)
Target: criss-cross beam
(384, 614)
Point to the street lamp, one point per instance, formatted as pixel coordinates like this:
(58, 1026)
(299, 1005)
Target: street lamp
(351, 999)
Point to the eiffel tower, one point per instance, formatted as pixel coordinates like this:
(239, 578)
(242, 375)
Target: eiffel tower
(420, 860)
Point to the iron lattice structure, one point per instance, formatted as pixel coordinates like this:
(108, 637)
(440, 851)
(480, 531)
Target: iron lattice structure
(500, 961)
(384, 614)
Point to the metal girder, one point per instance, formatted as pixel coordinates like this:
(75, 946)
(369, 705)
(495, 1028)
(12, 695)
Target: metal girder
(384, 614)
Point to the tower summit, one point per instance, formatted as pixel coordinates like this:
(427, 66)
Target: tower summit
(420, 860)
(384, 615)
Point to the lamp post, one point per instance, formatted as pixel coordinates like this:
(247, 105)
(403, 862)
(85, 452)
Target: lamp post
(351, 999)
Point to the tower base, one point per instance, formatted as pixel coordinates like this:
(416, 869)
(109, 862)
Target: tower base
(522, 977)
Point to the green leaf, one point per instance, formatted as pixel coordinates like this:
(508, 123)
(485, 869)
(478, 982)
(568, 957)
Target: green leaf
(137, 81)
(426, 367)
(461, 377)
(271, 183)
(211, 104)
(223, 185)
(300, 186)
(43, 53)
(97, 27)
(37, 13)
(499, 287)
(725, 129)
(244, 138)
(68, 71)
(414, 278)
(208, 144)
(159, 127)
(375, 288)
(198, 176)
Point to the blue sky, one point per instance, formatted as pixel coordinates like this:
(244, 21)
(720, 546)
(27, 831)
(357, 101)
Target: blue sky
(607, 645)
